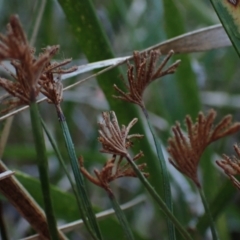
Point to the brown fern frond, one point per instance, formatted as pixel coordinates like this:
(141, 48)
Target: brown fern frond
(142, 73)
(33, 74)
(115, 140)
(231, 166)
(113, 169)
(186, 151)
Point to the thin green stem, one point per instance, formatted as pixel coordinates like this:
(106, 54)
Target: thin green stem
(59, 156)
(158, 199)
(42, 162)
(164, 177)
(88, 215)
(208, 213)
(121, 216)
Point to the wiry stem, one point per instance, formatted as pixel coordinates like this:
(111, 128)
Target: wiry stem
(158, 199)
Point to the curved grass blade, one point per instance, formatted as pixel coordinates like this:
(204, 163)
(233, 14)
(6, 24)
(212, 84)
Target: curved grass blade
(158, 199)
(86, 209)
(228, 13)
(121, 217)
(163, 178)
(208, 213)
(42, 163)
(218, 204)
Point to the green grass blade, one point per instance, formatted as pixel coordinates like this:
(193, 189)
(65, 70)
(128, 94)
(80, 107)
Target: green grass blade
(207, 210)
(163, 178)
(121, 217)
(42, 162)
(59, 156)
(158, 199)
(87, 211)
(228, 13)
(218, 204)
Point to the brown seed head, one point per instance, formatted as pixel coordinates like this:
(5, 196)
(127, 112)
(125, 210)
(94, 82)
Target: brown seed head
(231, 166)
(186, 151)
(142, 73)
(33, 74)
(115, 140)
(113, 169)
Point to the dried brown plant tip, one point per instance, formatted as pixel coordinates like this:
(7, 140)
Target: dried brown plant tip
(115, 140)
(32, 73)
(142, 73)
(186, 151)
(52, 87)
(113, 169)
(231, 166)
(15, 47)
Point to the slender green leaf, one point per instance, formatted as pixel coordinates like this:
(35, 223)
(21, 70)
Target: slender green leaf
(158, 199)
(42, 163)
(208, 213)
(218, 204)
(86, 207)
(228, 13)
(163, 178)
(121, 217)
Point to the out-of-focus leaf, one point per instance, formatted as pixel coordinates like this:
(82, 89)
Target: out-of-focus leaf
(228, 13)
(187, 88)
(66, 209)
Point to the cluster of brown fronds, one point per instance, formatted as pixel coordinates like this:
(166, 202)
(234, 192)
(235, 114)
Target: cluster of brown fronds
(113, 169)
(115, 141)
(33, 74)
(142, 73)
(186, 151)
(231, 166)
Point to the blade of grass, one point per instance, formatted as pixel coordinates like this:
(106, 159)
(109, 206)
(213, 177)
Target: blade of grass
(228, 13)
(59, 156)
(42, 163)
(121, 217)
(163, 178)
(158, 199)
(87, 211)
(218, 204)
(208, 213)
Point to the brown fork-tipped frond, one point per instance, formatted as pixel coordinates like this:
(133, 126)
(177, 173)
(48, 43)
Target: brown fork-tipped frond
(186, 151)
(231, 166)
(142, 73)
(115, 140)
(15, 47)
(33, 74)
(52, 87)
(113, 169)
